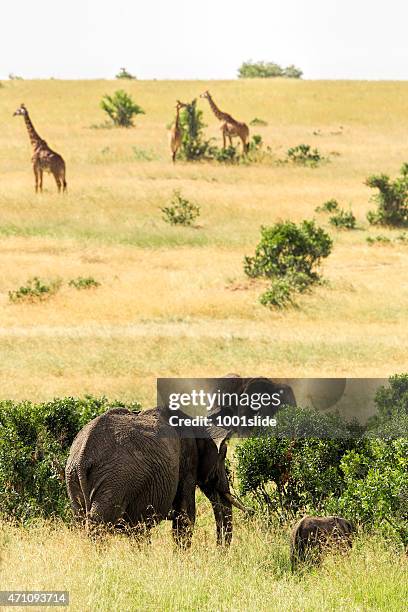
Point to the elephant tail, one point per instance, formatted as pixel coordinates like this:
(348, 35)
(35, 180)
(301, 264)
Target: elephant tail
(83, 483)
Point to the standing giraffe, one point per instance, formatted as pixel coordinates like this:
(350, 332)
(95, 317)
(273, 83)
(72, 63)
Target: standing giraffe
(44, 158)
(230, 128)
(176, 133)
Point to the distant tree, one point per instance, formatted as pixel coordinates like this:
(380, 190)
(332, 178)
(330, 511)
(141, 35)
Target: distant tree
(267, 70)
(291, 72)
(14, 77)
(121, 108)
(124, 74)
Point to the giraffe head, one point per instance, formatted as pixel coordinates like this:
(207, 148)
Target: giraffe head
(180, 105)
(21, 110)
(205, 94)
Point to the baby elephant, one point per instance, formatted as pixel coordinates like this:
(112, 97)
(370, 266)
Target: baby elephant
(312, 533)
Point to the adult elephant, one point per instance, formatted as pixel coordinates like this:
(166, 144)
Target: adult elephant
(134, 468)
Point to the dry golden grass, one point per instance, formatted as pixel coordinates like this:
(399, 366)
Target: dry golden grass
(175, 301)
(114, 574)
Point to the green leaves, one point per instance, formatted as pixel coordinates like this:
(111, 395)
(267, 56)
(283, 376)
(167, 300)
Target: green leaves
(392, 199)
(121, 108)
(288, 254)
(34, 445)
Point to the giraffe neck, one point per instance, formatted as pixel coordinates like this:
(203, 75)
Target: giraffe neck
(32, 134)
(177, 118)
(217, 112)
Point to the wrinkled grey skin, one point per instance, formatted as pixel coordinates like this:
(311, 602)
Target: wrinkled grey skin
(313, 532)
(135, 469)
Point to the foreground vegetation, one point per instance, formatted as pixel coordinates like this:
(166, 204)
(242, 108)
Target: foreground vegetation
(114, 574)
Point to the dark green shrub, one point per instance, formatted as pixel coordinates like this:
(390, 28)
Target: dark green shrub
(391, 199)
(295, 467)
(376, 486)
(34, 445)
(287, 248)
(124, 74)
(304, 155)
(35, 290)
(343, 219)
(194, 146)
(121, 108)
(328, 207)
(84, 282)
(181, 211)
(288, 254)
(267, 70)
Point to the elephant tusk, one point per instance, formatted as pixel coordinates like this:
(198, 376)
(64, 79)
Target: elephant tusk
(235, 502)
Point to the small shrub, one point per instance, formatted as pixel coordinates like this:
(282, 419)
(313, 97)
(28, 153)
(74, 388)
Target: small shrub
(329, 206)
(124, 74)
(380, 239)
(84, 283)
(181, 211)
(193, 146)
(304, 155)
(343, 219)
(144, 155)
(14, 77)
(391, 199)
(256, 121)
(35, 290)
(121, 108)
(267, 70)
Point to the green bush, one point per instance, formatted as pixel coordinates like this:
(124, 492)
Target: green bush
(267, 70)
(181, 211)
(343, 219)
(328, 207)
(124, 74)
(288, 254)
(193, 146)
(82, 282)
(121, 108)
(296, 467)
(35, 290)
(378, 239)
(34, 445)
(286, 248)
(304, 155)
(391, 199)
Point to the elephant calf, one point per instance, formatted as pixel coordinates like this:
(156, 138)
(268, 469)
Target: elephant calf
(312, 533)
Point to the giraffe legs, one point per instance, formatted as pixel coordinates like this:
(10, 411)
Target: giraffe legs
(40, 174)
(36, 176)
(59, 183)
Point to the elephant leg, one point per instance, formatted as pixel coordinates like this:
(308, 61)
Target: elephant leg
(184, 513)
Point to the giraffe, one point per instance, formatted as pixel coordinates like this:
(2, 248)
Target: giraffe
(176, 133)
(230, 127)
(43, 158)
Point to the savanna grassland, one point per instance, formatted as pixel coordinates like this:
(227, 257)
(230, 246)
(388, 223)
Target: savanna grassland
(175, 302)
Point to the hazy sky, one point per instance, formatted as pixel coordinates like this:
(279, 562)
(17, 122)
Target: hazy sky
(365, 39)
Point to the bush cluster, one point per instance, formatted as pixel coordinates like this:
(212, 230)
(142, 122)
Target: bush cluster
(288, 255)
(34, 445)
(319, 463)
(121, 108)
(267, 70)
(304, 155)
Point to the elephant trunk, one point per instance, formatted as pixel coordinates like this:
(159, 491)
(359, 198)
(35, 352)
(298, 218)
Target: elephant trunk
(235, 502)
(222, 509)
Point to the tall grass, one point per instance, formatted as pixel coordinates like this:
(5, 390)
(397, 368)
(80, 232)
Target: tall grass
(116, 574)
